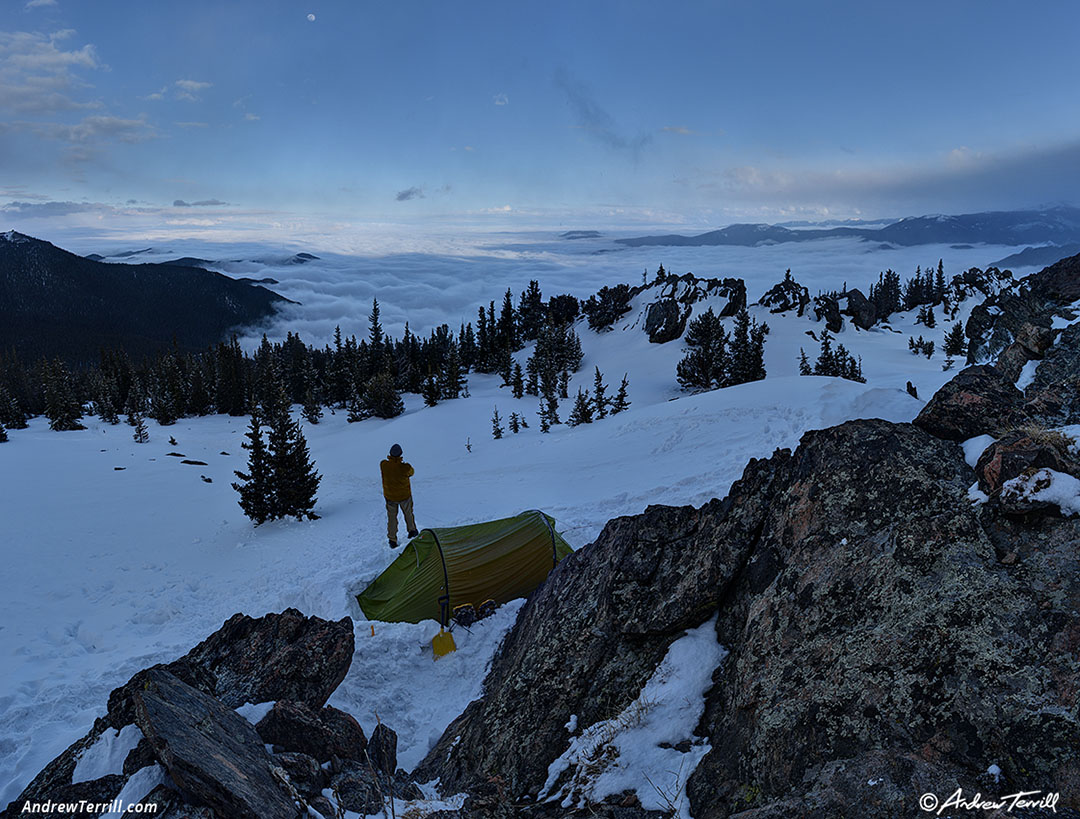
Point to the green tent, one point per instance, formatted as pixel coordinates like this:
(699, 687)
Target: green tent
(444, 568)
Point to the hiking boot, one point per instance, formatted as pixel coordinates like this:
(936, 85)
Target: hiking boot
(393, 544)
(413, 533)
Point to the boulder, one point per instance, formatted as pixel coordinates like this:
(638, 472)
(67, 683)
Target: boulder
(324, 733)
(382, 750)
(1054, 394)
(357, 788)
(862, 311)
(872, 630)
(978, 400)
(1012, 360)
(211, 753)
(1060, 282)
(665, 320)
(1035, 339)
(1021, 452)
(284, 656)
(305, 773)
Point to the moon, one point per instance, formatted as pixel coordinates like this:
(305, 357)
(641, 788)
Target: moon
(311, 18)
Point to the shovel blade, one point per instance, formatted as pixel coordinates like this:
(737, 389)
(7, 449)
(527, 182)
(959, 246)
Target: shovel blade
(443, 643)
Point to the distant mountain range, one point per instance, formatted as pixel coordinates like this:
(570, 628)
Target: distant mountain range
(1058, 226)
(55, 303)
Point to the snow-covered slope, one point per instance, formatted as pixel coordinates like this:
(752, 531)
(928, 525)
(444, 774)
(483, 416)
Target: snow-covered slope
(118, 556)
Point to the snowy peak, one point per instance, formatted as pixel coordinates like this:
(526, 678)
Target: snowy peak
(15, 237)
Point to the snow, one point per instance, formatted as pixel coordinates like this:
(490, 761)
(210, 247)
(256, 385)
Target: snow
(254, 712)
(974, 447)
(995, 772)
(107, 755)
(111, 571)
(1027, 374)
(1048, 486)
(634, 751)
(136, 788)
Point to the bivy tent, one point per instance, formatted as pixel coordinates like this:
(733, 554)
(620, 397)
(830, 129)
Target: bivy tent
(442, 569)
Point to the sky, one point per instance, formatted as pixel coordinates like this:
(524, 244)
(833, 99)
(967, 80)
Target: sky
(250, 119)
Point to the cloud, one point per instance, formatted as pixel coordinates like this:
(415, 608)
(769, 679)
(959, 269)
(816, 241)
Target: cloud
(37, 4)
(46, 210)
(189, 89)
(595, 119)
(156, 95)
(193, 124)
(96, 129)
(501, 99)
(680, 130)
(409, 193)
(963, 180)
(250, 117)
(38, 76)
(202, 203)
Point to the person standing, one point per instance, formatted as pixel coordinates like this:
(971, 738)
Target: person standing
(398, 493)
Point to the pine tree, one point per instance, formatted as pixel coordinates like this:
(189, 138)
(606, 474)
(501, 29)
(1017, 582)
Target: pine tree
(496, 425)
(582, 413)
(312, 411)
(515, 425)
(431, 391)
(706, 363)
(621, 403)
(826, 361)
(62, 408)
(939, 283)
(531, 311)
(381, 397)
(564, 384)
(3, 434)
(11, 413)
(600, 400)
(257, 490)
(955, 341)
(294, 479)
(804, 363)
(141, 435)
(517, 381)
(545, 426)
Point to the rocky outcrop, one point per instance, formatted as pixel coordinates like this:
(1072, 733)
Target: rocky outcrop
(1054, 394)
(977, 401)
(212, 754)
(275, 657)
(1021, 452)
(786, 295)
(872, 631)
(665, 320)
(860, 309)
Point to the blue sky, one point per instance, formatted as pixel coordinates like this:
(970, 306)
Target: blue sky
(575, 114)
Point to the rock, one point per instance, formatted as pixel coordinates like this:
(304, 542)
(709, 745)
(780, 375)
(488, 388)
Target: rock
(1012, 361)
(1020, 452)
(284, 656)
(1060, 282)
(861, 310)
(357, 788)
(139, 757)
(212, 754)
(827, 309)
(1054, 393)
(305, 773)
(978, 400)
(1036, 340)
(321, 733)
(382, 750)
(872, 629)
(786, 295)
(665, 320)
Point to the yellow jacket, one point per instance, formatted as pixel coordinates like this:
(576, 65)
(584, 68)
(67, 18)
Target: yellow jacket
(395, 479)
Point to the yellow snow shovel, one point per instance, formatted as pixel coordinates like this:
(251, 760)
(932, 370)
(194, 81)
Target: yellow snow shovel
(442, 643)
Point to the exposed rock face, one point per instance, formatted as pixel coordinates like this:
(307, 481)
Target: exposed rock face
(665, 320)
(786, 295)
(321, 733)
(1054, 394)
(861, 310)
(382, 750)
(212, 754)
(978, 400)
(871, 622)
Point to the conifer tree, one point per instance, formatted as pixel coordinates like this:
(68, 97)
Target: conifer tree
(257, 490)
(804, 363)
(515, 426)
(531, 311)
(141, 435)
(312, 411)
(62, 408)
(11, 413)
(431, 391)
(564, 384)
(582, 413)
(955, 341)
(621, 403)
(600, 401)
(3, 434)
(295, 480)
(496, 425)
(545, 426)
(517, 381)
(381, 397)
